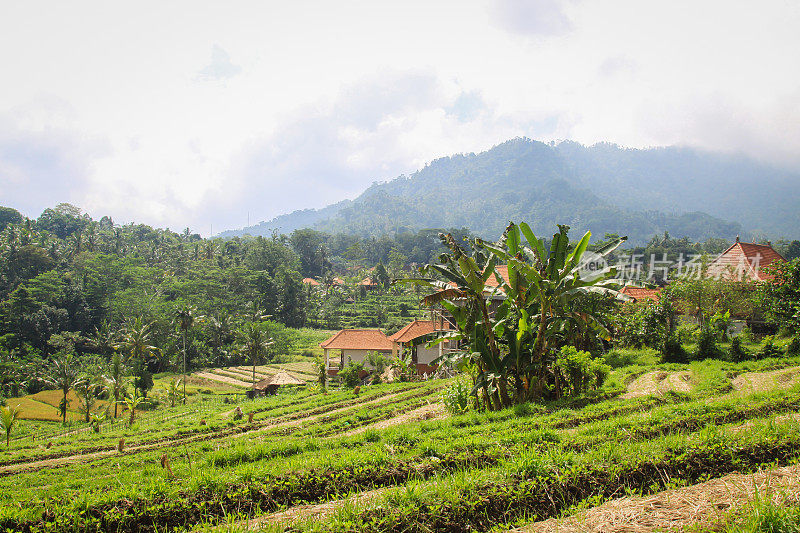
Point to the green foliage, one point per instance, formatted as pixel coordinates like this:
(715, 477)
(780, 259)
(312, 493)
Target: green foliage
(768, 348)
(456, 397)
(736, 353)
(781, 295)
(707, 344)
(673, 352)
(8, 417)
(642, 324)
(578, 371)
(351, 374)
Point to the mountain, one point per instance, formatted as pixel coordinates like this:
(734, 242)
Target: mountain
(604, 188)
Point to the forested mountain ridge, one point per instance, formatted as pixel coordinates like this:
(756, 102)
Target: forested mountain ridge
(604, 188)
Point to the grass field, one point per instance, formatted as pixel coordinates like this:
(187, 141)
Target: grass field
(389, 459)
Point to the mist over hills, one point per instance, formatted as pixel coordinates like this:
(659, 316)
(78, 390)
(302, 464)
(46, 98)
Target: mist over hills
(604, 188)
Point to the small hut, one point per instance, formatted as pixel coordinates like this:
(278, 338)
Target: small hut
(270, 385)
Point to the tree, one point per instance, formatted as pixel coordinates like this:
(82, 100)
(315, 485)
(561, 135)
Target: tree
(132, 402)
(539, 306)
(781, 295)
(63, 375)
(254, 344)
(184, 318)
(8, 416)
(173, 391)
(135, 340)
(88, 389)
(116, 379)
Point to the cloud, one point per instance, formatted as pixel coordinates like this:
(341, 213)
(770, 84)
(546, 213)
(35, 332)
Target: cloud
(372, 131)
(41, 168)
(220, 68)
(532, 17)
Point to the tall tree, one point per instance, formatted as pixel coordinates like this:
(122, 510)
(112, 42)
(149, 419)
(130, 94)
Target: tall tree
(255, 344)
(184, 319)
(63, 375)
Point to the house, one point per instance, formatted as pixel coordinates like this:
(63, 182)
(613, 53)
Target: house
(413, 339)
(640, 294)
(745, 261)
(270, 385)
(368, 283)
(311, 281)
(353, 345)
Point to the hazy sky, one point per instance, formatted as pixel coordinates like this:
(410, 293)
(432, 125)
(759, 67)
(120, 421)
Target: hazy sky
(195, 113)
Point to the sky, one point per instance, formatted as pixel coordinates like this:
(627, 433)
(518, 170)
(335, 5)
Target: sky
(209, 114)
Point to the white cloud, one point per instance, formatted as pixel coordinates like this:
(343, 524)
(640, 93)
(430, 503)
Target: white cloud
(307, 103)
(220, 67)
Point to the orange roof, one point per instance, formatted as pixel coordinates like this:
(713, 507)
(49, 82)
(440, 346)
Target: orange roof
(358, 339)
(745, 261)
(338, 281)
(310, 281)
(368, 282)
(416, 329)
(492, 281)
(641, 293)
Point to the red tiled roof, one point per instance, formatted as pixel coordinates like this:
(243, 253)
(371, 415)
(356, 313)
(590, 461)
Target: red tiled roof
(745, 261)
(358, 339)
(416, 329)
(310, 281)
(641, 293)
(492, 281)
(338, 281)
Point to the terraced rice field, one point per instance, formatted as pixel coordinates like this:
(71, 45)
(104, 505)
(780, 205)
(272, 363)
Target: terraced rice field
(391, 459)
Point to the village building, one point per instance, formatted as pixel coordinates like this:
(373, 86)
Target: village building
(271, 384)
(641, 294)
(413, 339)
(353, 345)
(745, 261)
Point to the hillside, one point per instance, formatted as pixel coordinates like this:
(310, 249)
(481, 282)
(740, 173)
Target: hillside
(603, 187)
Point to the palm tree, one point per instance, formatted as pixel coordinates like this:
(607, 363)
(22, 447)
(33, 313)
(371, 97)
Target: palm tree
(88, 389)
(132, 402)
(173, 391)
(116, 379)
(135, 340)
(8, 416)
(63, 376)
(184, 318)
(254, 344)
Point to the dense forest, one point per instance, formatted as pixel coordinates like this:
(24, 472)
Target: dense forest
(603, 188)
(69, 283)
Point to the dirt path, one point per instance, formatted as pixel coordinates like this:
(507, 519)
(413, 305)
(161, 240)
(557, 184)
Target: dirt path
(762, 381)
(426, 412)
(93, 456)
(658, 382)
(704, 503)
(313, 512)
(222, 379)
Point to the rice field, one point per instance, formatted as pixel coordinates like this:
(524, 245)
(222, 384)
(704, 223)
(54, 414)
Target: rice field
(391, 459)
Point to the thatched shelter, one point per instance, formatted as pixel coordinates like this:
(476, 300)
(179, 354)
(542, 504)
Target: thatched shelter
(271, 384)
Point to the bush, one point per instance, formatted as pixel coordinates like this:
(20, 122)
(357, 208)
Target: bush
(577, 371)
(686, 333)
(736, 353)
(673, 352)
(794, 346)
(456, 396)
(707, 344)
(350, 374)
(769, 349)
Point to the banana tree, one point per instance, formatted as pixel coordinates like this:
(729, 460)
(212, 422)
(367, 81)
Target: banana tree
(542, 293)
(467, 296)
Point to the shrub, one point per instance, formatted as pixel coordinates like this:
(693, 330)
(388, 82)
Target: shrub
(456, 396)
(350, 374)
(686, 333)
(577, 371)
(769, 349)
(707, 344)
(736, 353)
(794, 346)
(673, 352)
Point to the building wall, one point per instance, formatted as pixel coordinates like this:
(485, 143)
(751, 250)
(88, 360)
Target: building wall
(426, 355)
